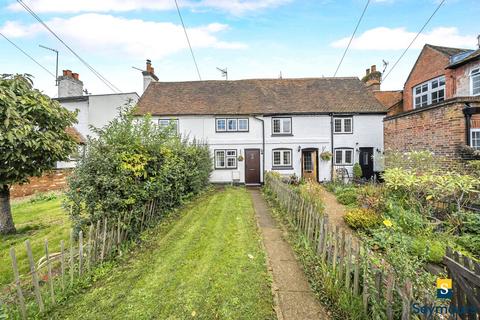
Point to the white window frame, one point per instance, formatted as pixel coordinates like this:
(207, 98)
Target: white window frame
(472, 144)
(228, 154)
(170, 121)
(342, 124)
(282, 126)
(234, 120)
(473, 74)
(343, 152)
(427, 90)
(224, 125)
(282, 153)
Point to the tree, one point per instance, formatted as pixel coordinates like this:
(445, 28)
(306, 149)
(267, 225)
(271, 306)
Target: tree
(32, 137)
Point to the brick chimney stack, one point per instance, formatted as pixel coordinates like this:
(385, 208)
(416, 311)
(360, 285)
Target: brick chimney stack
(69, 85)
(148, 75)
(372, 78)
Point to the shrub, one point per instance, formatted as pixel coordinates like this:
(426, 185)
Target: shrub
(43, 196)
(432, 250)
(132, 162)
(409, 220)
(347, 196)
(312, 192)
(372, 196)
(471, 243)
(362, 219)
(357, 171)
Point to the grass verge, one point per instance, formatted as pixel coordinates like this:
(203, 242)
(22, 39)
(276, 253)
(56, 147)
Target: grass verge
(207, 263)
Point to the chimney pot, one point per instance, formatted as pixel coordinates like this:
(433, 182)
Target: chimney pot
(368, 71)
(374, 68)
(75, 76)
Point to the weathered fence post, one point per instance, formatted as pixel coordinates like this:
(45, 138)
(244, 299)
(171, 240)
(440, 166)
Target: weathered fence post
(80, 253)
(33, 271)
(62, 263)
(18, 286)
(50, 276)
(72, 257)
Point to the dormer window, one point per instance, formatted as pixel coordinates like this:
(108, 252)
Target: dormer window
(432, 91)
(475, 81)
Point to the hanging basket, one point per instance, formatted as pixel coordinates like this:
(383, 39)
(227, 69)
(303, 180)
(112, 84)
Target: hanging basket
(326, 156)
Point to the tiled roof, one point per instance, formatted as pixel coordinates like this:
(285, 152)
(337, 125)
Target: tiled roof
(389, 98)
(77, 136)
(258, 96)
(447, 50)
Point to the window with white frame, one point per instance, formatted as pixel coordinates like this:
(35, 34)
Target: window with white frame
(343, 125)
(225, 159)
(282, 157)
(281, 125)
(475, 81)
(231, 125)
(429, 92)
(343, 157)
(165, 123)
(475, 138)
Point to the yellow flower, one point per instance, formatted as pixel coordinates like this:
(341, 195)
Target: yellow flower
(429, 197)
(388, 223)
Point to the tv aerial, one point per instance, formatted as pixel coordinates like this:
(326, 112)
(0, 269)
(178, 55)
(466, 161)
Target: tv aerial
(224, 72)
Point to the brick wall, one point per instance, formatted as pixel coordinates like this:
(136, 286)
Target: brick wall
(430, 64)
(51, 181)
(440, 129)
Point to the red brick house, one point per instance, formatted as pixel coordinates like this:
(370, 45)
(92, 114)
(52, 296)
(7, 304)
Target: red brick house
(440, 106)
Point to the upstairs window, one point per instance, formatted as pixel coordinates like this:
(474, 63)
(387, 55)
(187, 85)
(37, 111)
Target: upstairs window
(343, 125)
(165, 123)
(282, 126)
(225, 159)
(475, 81)
(429, 92)
(231, 125)
(343, 157)
(282, 157)
(475, 139)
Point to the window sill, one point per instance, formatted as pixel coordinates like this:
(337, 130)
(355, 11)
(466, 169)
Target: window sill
(282, 135)
(282, 168)
(343, 165)
(226, 168)
(343, 132)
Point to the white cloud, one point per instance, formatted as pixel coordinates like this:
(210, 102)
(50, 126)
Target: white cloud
(120, 36)
(383, 38)
(231, 6)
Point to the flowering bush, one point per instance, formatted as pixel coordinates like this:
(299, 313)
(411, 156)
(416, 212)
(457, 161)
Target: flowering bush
(364, 219)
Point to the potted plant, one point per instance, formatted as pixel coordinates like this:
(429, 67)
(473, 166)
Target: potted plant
(326, 155)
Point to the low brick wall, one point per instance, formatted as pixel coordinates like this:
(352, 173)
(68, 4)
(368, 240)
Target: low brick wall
(51, 181)
(440, 129)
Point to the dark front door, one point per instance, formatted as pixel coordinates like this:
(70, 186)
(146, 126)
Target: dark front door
(366, 162)
(252, 166)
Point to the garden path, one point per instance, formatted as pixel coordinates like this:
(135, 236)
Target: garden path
(334, 210)
(293, 296)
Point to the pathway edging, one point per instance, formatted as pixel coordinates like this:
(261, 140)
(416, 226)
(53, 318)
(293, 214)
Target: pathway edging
(293, 298)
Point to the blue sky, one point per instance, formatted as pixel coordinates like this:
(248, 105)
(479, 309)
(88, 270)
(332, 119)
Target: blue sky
(253, 39)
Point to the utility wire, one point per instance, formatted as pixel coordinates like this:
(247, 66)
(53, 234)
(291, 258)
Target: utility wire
(31, 58)
(97, 74)
(413, 40)
(188, 40)
(351, 39)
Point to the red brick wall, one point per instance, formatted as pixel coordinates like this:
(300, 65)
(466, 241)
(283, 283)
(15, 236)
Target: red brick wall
(52, 181)
(439, 129)
(430, 64)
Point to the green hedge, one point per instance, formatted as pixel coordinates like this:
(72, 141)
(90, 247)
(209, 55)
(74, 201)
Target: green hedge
(132, 162)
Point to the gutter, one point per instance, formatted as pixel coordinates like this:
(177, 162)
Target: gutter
(263, 147)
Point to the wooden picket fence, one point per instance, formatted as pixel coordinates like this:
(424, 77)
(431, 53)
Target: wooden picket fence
(346, 257)
(465, 275)
(55, 272)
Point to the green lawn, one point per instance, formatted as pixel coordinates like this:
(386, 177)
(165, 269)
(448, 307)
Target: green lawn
(208, 264)
(35, 221)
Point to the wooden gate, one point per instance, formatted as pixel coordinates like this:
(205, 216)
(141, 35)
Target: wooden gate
(465, 275)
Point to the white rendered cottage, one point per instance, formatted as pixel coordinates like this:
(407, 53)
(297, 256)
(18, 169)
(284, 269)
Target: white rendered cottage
(283, 125)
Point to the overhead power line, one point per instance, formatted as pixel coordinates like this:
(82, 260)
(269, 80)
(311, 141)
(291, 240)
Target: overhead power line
(188, 41)
(413, 40)
(95, 72)
(29, 56)
(351, 38)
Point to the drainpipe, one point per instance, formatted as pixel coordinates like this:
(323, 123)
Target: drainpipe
(468, 121)
(263, 148)
(331, 146)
